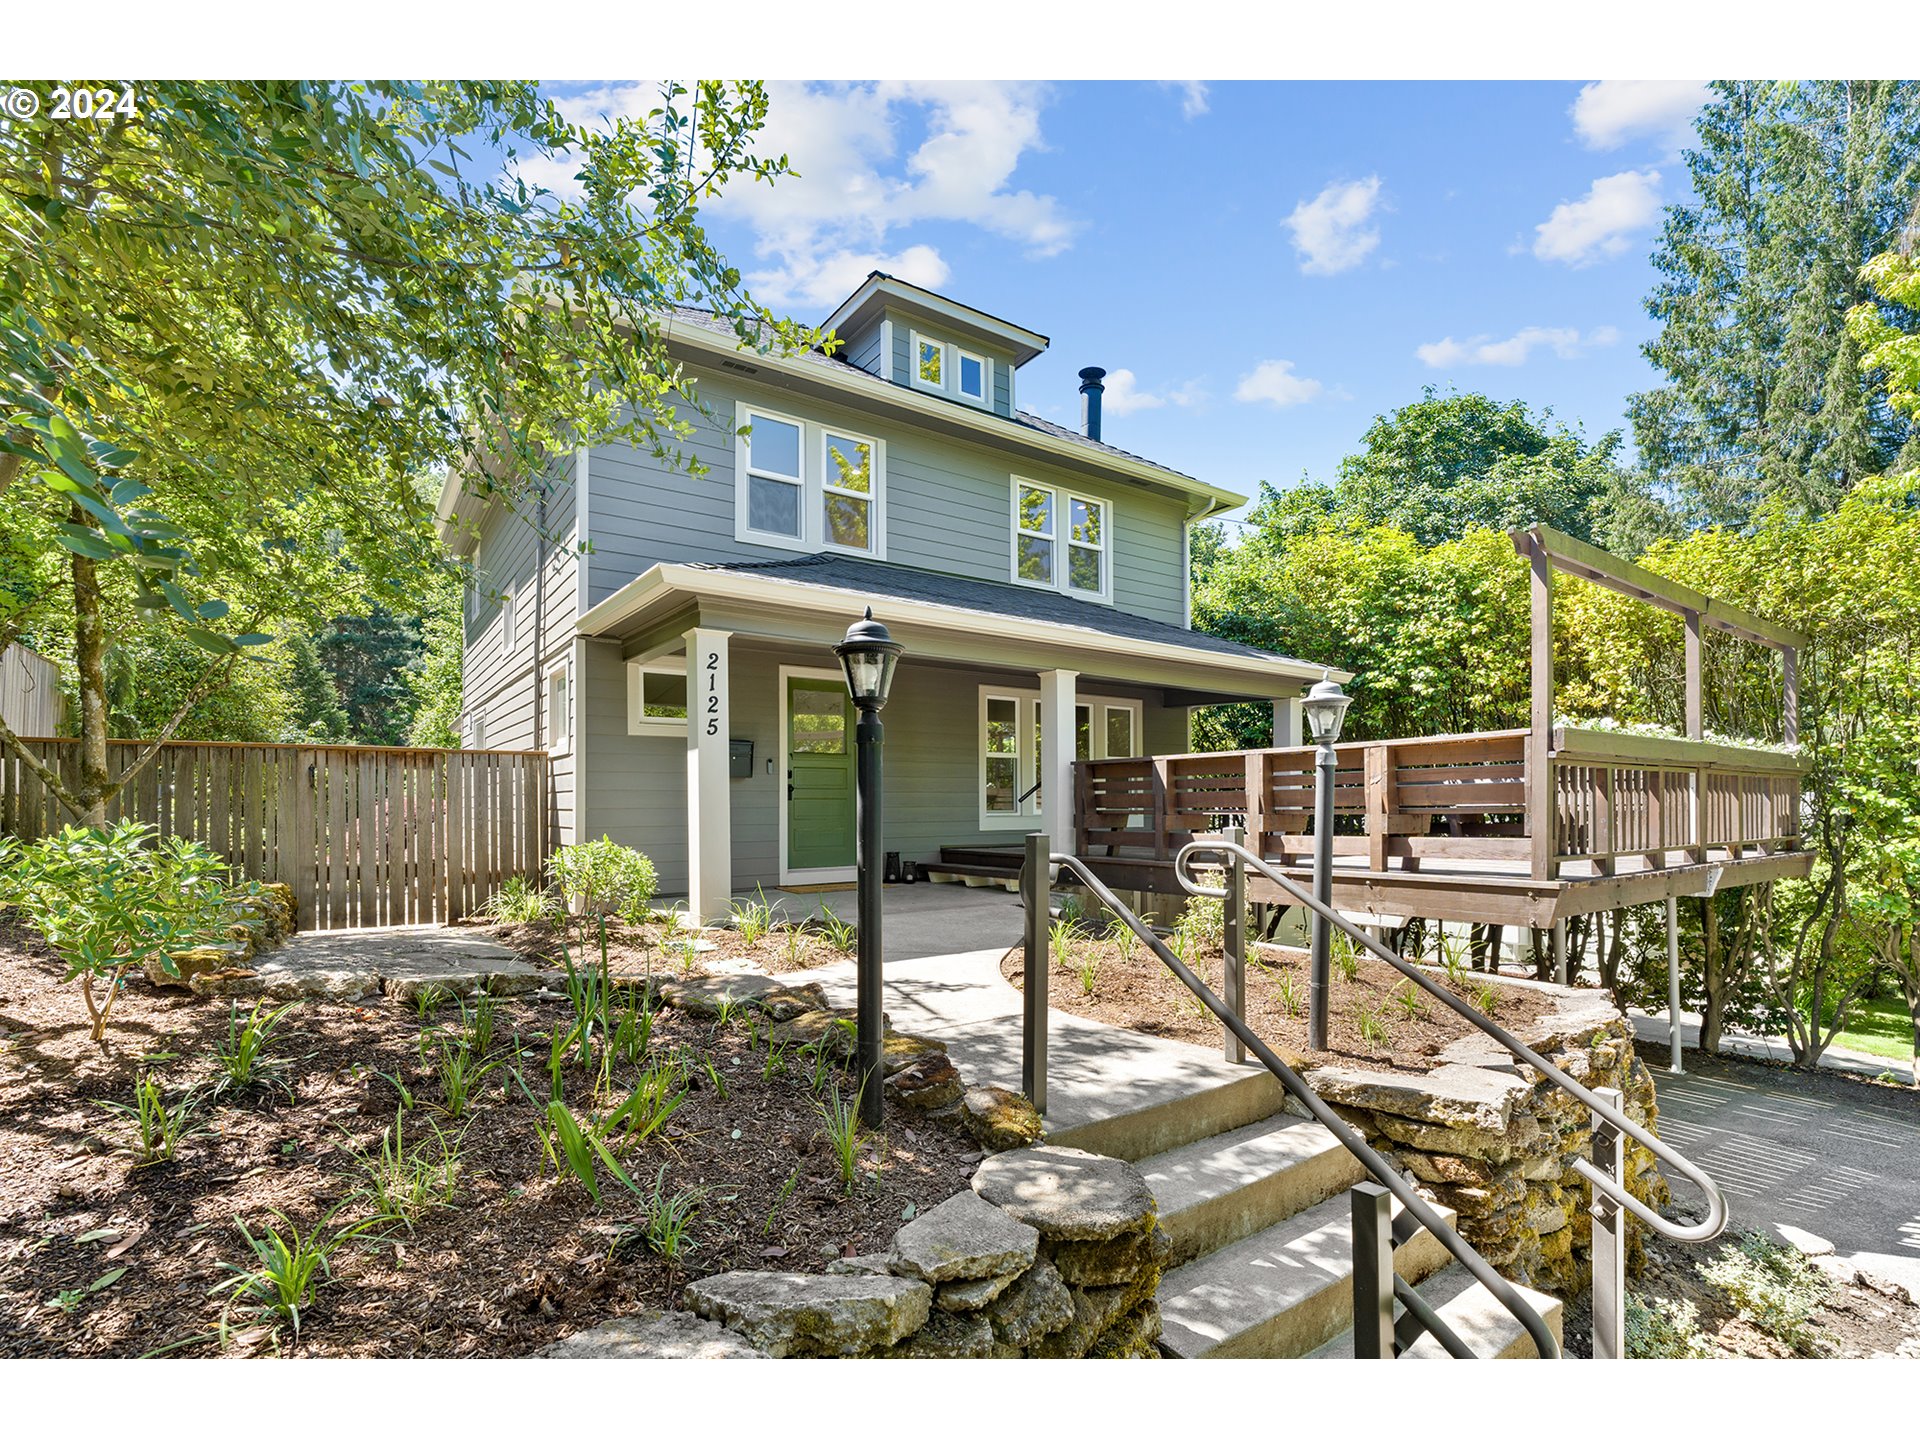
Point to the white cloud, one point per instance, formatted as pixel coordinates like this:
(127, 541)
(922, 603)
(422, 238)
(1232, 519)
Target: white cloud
(1272, 382)
(1516, 349)
(1193, 97)
(854, 188)
(1608, 113)
(1123, 395)
(1600, 224)
(1330, 231)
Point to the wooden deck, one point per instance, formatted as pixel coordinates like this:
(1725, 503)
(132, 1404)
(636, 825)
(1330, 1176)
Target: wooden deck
(1439, 826)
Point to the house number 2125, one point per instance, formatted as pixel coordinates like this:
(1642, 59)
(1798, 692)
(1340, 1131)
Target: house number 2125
(713, 692)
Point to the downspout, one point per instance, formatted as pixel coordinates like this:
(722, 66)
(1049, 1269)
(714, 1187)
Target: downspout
(539, 614)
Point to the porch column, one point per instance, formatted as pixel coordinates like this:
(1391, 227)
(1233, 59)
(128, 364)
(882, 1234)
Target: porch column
(1286, 722)
(709, 822)
(1057, 747)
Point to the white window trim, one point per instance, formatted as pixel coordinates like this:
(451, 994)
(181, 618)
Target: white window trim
(812, 538)
(1061, 537)
(559, 735)
(640, 723)
(914, 341)
(985, 398)
(1025, 702)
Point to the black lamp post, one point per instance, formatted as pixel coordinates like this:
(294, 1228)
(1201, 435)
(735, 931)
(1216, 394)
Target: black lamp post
(868, 655)
(1326, 706)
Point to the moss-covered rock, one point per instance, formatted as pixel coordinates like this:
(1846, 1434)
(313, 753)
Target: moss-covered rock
(1001, 1119)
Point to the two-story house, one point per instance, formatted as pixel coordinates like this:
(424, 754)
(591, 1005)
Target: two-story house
(680, 671)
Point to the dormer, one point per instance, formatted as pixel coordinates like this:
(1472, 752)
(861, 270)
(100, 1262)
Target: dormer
(923, 341)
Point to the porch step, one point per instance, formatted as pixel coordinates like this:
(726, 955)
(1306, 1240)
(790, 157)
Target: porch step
(1284, 1291)
(977, 877)
(1006, 859)
(1226, 1187)
(1473, 1313)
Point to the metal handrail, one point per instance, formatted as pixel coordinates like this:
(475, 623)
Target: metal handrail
(1706, 1229)
(1370, 1159)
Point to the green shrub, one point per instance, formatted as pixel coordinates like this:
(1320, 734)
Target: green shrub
(518, 901)
(1772, 1285)
(110, 900)
(1665, 1330)
(599, 877)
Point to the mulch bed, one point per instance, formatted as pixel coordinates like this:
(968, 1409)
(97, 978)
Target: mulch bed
(1132, 989)
(519, 1260)
(1859, 1319)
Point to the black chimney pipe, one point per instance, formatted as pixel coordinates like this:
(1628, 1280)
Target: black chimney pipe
(1090, 392)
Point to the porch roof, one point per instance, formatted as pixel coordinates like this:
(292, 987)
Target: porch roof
(947, 617)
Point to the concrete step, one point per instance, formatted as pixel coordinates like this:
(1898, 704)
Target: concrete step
(1475, 1316)
(1282, 1292)
(1149, 1127)
(1226, 1187)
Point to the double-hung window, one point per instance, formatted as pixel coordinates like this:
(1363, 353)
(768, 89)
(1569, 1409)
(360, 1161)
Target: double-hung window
(1060, 540)
(806, 486)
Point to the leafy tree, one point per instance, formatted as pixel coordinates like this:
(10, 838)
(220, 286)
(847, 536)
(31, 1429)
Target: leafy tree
(1888, 330)
(437, 681)
(1795, 187)
(238, 329)
(1447, 463)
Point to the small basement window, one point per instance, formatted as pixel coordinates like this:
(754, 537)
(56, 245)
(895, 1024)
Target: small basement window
(657, 697)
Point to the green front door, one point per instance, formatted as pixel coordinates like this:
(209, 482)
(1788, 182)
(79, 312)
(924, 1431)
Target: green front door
(820, 816)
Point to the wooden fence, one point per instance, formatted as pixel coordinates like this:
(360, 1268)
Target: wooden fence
(365, 835)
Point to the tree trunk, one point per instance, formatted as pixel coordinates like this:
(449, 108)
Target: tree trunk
(1615, 952)
(89, 662)
(1714, 979)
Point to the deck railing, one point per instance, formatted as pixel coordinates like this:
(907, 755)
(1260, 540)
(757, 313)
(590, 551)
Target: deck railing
(1459, 798)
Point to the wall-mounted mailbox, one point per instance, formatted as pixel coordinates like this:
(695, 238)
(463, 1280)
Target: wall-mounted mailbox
(739, 759)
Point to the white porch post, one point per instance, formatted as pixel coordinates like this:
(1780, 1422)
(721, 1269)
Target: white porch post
(709, 823)
(1286, 722)
(1057, 748)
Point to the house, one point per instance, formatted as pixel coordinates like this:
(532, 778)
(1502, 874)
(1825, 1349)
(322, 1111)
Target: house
(680, 672)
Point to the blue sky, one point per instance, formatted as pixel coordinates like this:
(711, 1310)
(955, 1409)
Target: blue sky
(1271, 264)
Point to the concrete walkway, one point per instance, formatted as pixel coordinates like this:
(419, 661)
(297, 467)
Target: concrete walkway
(919, 920)
(1101, 1080)
(1819, 1160)
(1651, 1031)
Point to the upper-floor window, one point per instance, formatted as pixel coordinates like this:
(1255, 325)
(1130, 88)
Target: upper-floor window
(807, 486)
(559, 710)
(509, 631)
(1060, 540)
(943, 366)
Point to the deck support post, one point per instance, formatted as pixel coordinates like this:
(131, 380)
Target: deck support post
(1056, 751)
(1609, 1239)
(1673, 984)
(1559, 952)
(1034, 892)
(1234, 942)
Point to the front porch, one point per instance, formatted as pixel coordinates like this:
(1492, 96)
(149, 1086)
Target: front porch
(719, 733)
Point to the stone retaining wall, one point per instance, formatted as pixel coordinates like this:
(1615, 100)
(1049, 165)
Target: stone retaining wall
(1495, 1141)
(1053, 1253)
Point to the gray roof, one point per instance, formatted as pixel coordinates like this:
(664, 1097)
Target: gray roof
(990, 599)
(1022, 419)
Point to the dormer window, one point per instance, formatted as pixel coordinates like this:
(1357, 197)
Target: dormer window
(942, 366)
(971, 373)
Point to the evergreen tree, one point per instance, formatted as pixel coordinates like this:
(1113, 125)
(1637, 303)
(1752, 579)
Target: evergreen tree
(317, 714)
(1795, 187)
(371, 658)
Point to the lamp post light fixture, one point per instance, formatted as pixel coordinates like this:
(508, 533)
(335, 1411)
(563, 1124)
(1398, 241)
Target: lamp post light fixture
(1326, 707)
(868, 656)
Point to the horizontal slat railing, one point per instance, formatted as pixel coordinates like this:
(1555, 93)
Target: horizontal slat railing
(365, 835)
(1455, 797)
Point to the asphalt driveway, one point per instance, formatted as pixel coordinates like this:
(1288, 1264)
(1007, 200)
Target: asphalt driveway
(1812, 1153)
